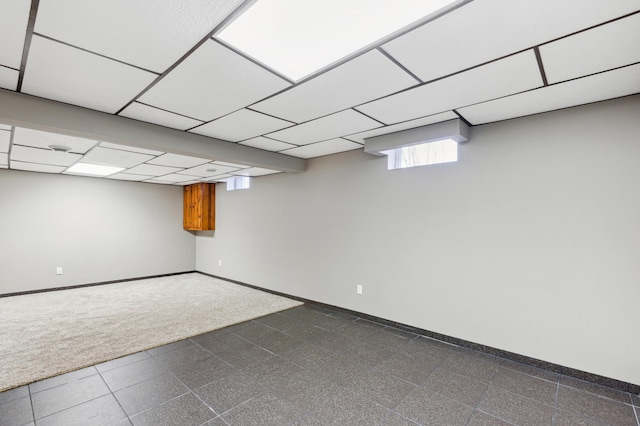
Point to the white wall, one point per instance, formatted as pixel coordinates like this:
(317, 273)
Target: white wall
(96, 229)
(530, 243)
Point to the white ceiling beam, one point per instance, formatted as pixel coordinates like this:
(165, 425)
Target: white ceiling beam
(42, 114)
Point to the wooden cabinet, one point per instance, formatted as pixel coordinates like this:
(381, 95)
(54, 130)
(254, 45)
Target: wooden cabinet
(200, 207)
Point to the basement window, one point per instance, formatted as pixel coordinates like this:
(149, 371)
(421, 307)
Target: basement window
(443, 151)
(238, 182)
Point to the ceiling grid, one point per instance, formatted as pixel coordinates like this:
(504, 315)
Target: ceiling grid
(481, 61)
(33, 12)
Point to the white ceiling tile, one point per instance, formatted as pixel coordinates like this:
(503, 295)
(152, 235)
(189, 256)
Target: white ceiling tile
(436, 118)
(5, 127)
(174, 177)
(39, 139)
(484, 30)
(4, 159)
(323, 148)
(151, 170)
(241, 125)
(211, 82)
(13, 25)
(255, 171)
(329, 127)
(189, 182)
(5, 139)
(150, 36)
(115, 157)
(33, 167)
(43, 156)
(8, 78)
(159, 182)
(153, 115)
(363, 79)
(267, 144)
(217, 178)
(175, 160)
(127, 176)
(208, 170)
(63, 73)
(599, 49)
(4, 166)
(507, 76)
(598, 87)
(130, 148)
(234, 165)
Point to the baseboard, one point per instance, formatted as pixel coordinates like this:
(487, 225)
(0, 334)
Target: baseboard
(44, 290)
(556, 368)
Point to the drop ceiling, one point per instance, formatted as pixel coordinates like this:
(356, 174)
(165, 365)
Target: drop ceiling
(482, 61)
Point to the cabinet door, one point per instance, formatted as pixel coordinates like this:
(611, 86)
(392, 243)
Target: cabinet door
(208, 203)
(199, 207)
(191, 217)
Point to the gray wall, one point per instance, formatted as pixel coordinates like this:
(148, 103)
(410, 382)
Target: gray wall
(96, 229)
(529, 243)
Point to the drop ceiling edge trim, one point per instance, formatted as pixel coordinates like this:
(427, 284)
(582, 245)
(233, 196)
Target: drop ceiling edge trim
(36, 113)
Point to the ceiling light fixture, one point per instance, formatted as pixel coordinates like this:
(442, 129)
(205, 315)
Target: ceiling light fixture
(298, 38)
(93, 169)
(59, 148)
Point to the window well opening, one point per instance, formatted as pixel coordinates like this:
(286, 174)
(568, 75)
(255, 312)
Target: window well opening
(442, 151)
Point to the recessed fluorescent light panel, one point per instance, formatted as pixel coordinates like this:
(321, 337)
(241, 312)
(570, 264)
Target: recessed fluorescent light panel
(93, 169)
(297, 38)
(444, 151)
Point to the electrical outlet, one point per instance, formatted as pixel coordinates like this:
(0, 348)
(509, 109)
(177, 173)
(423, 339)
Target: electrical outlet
(59, 270)
(358, 289)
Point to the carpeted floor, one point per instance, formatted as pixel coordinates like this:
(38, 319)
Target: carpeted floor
(47, 334)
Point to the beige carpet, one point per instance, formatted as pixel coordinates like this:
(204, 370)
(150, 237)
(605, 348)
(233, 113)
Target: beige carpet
(46, 334)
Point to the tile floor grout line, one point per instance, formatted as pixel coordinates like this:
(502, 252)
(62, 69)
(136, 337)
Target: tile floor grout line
(378, 370)
(253, 343)
(593, 393)
(423, 388)
(473, 415)
(62, 384)
(499, 418)
(113, 394)
(203, 401)
(73, 406)
(386, 417)
(33, 411)
(531, 375)
(237, 405)
(555, 403)
(484, 394)
(146, 351)
(598, 395)
(586, 416)
(168, 373)
(391, 413)
(525, 397)
(213, 355)
(166, 402)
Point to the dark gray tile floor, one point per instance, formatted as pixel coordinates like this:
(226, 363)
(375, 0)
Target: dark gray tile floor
(314, 366)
